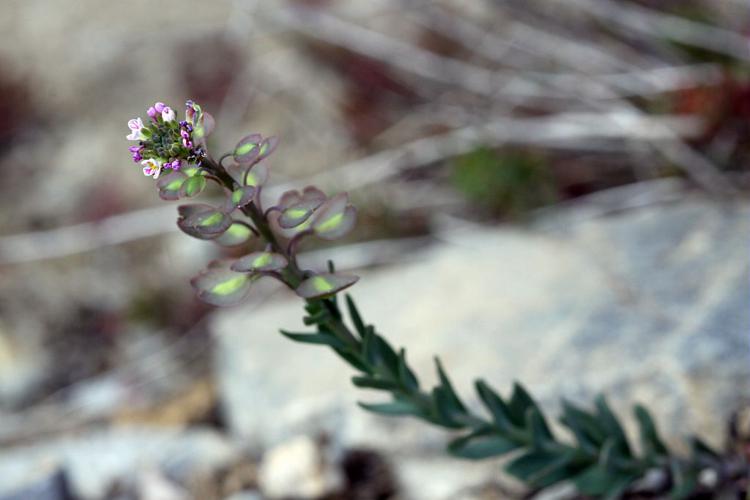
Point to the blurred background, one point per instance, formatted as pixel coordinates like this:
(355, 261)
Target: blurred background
(551, 191)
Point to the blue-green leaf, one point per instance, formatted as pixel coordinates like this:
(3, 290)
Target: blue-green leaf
(481, 444)
(315, 338)
(405, 374)
(395, 408)
(651, 442)
(495, 404)
(519, 405)
(447, 386)
(373, 383)
(359, 325)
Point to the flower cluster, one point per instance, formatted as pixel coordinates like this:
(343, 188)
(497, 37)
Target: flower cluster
(272, 236)
(166, 143)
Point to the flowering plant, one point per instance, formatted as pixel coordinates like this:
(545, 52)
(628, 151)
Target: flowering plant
(599, 461)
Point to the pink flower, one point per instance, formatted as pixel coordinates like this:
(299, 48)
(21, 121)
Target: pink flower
(135, 125)
(151, 168)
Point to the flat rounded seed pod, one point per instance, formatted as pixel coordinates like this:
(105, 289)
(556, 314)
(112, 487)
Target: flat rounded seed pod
(193, 186)
(236, 234)
(260, 262)
(247, 149)
(322, 285)
(334, 218)
(220, 286)
(169, 185)
(203, 221)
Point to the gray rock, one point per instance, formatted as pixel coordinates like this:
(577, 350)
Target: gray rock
(648, 306)
(45, 485)
(93, 461)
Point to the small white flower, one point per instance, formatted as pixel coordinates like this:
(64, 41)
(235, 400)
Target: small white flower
(135, 125)
(151, 168)
(168, 114)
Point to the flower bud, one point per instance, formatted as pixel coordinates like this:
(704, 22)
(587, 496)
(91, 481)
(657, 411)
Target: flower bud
(168, 114)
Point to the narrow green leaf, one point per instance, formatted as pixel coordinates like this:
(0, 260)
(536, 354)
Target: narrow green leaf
(608, 454)
(448, 415)
(537, 425)
(359, 325)
(596, 481)
(651, 442)
(386, 355)
(374, 383)
(315, 338)
(541, 469)
(405, 374)
(369, 346)
(587, 429)
(481, 444)
(618, 487)
(354, 361)
(684, 480)
(447, 387)
(395, 408)
(703, 453)
(520, 402)
(611, 424)
(317, 317)
(495, 404)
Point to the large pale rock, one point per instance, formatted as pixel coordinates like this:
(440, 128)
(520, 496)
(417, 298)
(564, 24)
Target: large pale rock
(650, 306)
